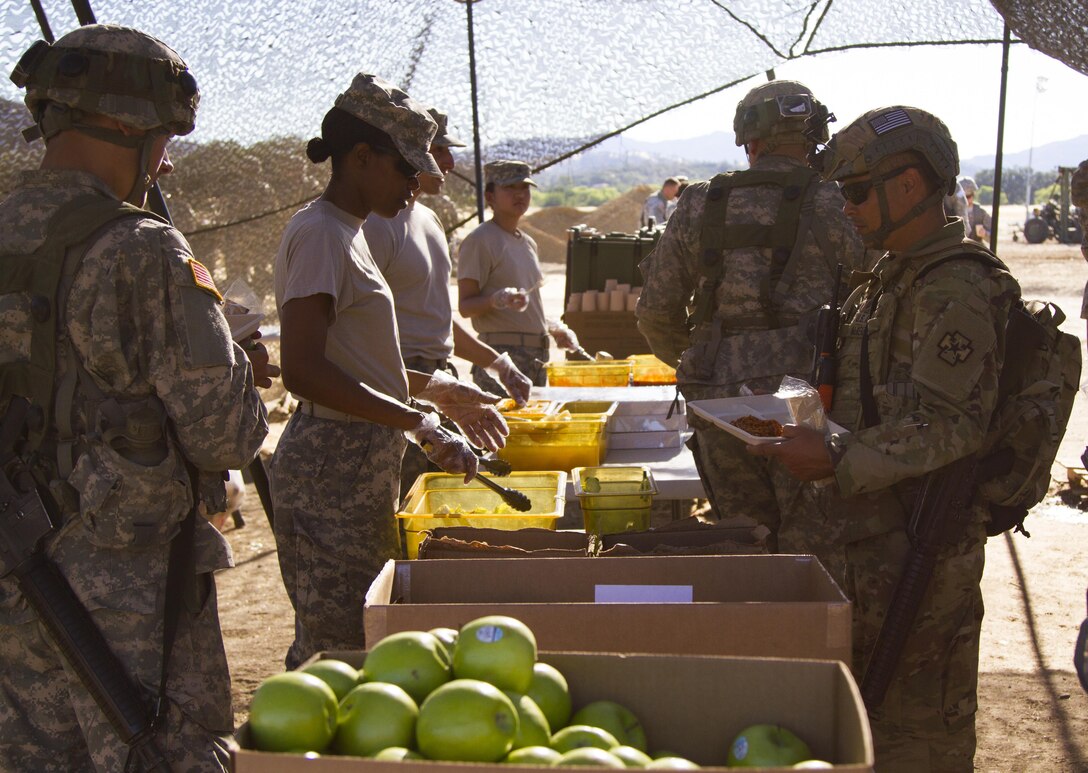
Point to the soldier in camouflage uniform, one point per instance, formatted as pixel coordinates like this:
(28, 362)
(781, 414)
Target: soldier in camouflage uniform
(145, 377)
(1079, 197)
(934, 335)
(335, 473)
(758, 251)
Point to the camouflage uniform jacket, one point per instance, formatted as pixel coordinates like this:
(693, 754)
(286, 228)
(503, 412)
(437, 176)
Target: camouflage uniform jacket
(749, 351)
(145, 332)
(935, 350)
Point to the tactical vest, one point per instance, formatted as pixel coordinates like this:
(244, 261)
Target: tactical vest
(784, 237)
(37, 285)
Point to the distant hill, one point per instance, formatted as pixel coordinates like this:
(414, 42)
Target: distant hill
(624, 162)
(1050, 156)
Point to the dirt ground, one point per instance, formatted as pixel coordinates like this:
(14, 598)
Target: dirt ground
(1033, 713)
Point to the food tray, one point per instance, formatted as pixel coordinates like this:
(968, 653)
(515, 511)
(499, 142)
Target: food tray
(433, 490)
(619, 487)
(724, 410)
(533, 409)
(604, 373)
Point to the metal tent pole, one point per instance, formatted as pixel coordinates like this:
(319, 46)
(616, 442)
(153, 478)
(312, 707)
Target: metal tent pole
(999, 154)
(43, 21)
(475, 112)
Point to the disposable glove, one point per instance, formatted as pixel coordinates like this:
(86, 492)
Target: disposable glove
(510, 298)
(516, 383)
(449, 451)
(469, 407)
(563, 335)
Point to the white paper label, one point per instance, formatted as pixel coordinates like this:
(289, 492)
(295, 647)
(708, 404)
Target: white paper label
(642, 594)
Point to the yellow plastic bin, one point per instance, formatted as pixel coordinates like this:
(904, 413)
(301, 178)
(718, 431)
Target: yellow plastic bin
(556, 442)
(601, 373)
(533, 409)
(439, 499)
(648, 370)
(615, 499)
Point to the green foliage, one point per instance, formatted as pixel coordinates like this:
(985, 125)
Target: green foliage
(576, 196)
(986, 195)
(1014, 183)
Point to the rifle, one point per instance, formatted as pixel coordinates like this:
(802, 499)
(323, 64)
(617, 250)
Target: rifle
(24, 523)
(940, 513)
(827, 332)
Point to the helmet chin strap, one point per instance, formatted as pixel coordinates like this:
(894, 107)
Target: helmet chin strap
(877, 238)
(52, 122)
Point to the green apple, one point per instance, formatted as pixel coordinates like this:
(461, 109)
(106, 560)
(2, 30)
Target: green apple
(767, 746)
(588, 756)
(496, 649)
(533, 728)
(579, 736)
(337, 674)
(466, 720)
(672, 763)
(630, 756)
(375, 716)
(448, 637)
(549, 691)
(616, 719)
(532, 755)
(413, 660)
(397, 754)
(293, 712)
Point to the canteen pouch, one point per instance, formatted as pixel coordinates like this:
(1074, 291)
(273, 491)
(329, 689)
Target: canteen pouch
(126, 504)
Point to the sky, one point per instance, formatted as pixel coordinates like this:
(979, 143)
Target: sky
(960, 84)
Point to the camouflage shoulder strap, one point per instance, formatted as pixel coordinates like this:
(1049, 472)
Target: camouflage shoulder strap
(782, 236)
(39, 275)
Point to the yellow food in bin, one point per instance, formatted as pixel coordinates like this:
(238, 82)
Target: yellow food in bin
(560, 441)
(598, 373)
(648, 370)
(615, 499)
(532, 409)
(438, 499)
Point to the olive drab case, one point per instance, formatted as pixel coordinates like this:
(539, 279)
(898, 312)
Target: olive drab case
(593, 258)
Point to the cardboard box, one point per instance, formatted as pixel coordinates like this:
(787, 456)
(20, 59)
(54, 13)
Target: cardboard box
(615, 332)
(693, 706)
(755, 606)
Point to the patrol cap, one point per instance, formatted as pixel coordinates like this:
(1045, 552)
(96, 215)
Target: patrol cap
(379, 103)
(442, 137)
(777, 110)
(879, 135)
(970, 187)
(113, 71)
(507, 173)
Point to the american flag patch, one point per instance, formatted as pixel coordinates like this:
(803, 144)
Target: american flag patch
(890, 120)
(203, 278)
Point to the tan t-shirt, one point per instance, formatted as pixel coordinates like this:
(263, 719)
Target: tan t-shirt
(412, 253)
(323, 251)
(496, 258)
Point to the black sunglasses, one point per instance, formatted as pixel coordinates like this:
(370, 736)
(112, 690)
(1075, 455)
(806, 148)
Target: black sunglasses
(857, 193)
(399, 162)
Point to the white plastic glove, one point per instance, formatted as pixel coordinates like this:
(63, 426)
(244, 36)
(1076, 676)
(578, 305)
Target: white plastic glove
(510, 298)
(516, 383)
(469, 407)
(563, 335)
(449, 451)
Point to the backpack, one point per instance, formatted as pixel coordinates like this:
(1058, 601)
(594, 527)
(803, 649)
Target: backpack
(1036, 389)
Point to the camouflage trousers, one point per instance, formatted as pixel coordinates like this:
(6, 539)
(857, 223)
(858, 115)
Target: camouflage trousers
(926, 723)
(48, 720)
(334, 486)
(529, 360)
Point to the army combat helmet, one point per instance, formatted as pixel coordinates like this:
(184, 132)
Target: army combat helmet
(112, 71)
(881, 144)
(776, 112)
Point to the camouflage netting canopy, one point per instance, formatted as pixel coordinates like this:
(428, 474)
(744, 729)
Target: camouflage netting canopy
(553, 77)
